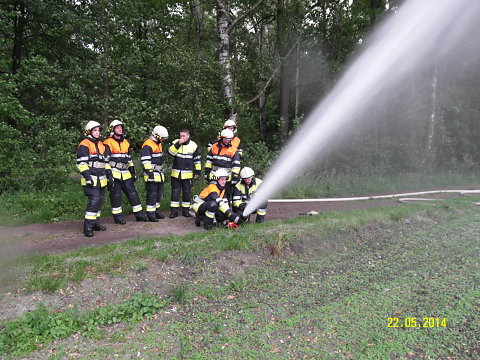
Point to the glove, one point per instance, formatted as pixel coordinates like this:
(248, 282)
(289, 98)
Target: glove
(88, 178)
(89, 182)
(232, 225)
(110, 182)
(132, 172)
(242, 206)
(240, 219)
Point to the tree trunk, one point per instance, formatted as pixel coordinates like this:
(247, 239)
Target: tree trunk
(197, 18)
(284, 78)
(106, 63)
(430, 155)
(297, 81)
(224, 53)
(19, 24)
(262, 98)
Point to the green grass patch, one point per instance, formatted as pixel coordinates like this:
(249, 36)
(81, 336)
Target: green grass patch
(327, 292)
(337, 185)
(37, 328)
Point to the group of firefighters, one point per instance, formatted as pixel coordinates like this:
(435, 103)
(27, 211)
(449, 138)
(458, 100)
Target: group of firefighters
(108, 165)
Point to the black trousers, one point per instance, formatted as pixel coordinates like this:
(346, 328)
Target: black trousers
(154, 195)
(95, 198)
(183, 186)
(128, 188)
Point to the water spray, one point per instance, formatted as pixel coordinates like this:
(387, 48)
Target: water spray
(419, 33)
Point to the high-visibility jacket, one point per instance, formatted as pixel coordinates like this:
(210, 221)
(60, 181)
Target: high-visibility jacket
(223, 156)
(92, 161)
(152, 160)
(215, 193)
(186, 159)
(236, 142)
(119, 158)
(243, 192)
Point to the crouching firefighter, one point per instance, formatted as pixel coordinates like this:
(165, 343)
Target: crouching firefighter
(152, 160)
(244, 190)
(96, 175)
(123, 170)
(212, 205)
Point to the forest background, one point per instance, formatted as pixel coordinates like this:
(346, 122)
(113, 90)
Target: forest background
(196, 63)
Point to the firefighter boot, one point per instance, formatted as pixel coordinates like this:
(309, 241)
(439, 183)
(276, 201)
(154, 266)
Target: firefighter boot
(173, 213)
(159, 215)
(119, 219)
(260, 219)
(185, 212)
(208, 223)
(152, 216)
(98, 227)
(198, 220)
(140, 216)
(87, 228)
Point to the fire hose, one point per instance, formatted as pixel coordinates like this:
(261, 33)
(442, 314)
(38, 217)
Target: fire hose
(402, 197)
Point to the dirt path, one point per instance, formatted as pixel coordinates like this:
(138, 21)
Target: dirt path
(67, 235)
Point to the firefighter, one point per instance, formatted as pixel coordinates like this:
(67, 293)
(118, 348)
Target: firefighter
(223, 155)
(96, 175)
(244, 190)
(152, 160)
(212, 205)
(187, 165)
(236, 142)
(123, 169)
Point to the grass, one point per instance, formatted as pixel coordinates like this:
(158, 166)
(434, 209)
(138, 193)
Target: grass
(359, 185)
(326, 293)
(67, 202)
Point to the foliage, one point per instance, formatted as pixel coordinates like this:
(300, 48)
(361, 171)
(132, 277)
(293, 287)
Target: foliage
(144, 62)
(37, 328)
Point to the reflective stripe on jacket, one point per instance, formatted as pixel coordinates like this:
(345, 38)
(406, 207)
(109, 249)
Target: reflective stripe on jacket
(236, 142)
(213, 193)
(186, 159)
(119, 157)
(221, 156)
(243, 192)
(92, 161)
(152, 159)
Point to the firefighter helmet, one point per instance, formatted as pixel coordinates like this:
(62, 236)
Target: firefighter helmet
(221, 173)
(113, 124)
(92, 125)
(246, 173)
(160, 132)
(229, 123)
(227, 134)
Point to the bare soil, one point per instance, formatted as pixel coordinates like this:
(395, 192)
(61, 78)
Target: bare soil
(67, 235)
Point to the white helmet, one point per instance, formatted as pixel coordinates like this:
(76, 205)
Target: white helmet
(92, 125)
(221, 173)
(160, 132)
(229, 123)
(113, 124)
(246, 173)
(227, 134)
